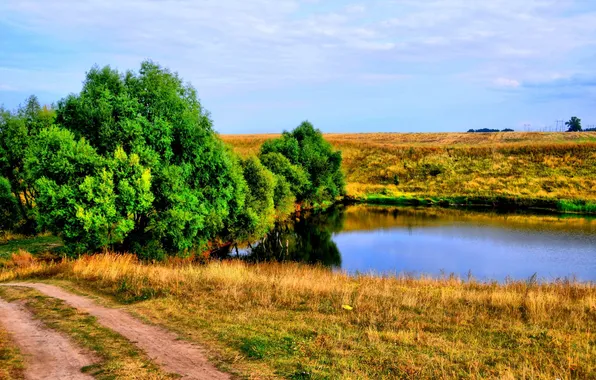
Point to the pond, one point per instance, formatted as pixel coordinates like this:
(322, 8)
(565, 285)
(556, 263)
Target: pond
(436, 242)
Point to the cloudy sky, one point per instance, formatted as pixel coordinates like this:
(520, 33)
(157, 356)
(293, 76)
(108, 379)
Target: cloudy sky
(376, 65)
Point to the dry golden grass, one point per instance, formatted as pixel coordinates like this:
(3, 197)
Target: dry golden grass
(291, 320)
(514, 165)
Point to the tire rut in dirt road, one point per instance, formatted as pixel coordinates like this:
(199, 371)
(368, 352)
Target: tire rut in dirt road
(47, 353)
(163, 347)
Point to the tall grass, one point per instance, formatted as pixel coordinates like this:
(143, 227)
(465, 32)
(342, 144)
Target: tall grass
(312, 321)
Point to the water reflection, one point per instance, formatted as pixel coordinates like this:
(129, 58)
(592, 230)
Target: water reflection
(306, 239)
(434, 241)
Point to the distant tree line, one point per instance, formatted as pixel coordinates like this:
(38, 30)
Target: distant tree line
(488, 130)
(132, 163)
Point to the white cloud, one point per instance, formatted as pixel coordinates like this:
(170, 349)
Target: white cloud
(505, 82)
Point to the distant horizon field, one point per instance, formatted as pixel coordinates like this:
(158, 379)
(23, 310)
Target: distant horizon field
(446, 138)
(552, 166)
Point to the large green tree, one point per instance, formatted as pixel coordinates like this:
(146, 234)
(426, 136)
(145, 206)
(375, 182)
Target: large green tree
(312, 167)
(134, 165)
(17, 130)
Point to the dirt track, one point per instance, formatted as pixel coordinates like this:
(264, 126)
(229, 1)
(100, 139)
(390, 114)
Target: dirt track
(47, 353)
(163, 347)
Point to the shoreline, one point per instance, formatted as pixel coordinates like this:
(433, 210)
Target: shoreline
(499, 203)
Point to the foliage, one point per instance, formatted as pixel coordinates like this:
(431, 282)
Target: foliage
(17, 129)
(574, 124)
(256, 217)
(135, 165)
(305, 147)
(9, 213)
(90, 200)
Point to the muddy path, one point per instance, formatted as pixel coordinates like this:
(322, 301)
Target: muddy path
(163, 347)
(48, 354)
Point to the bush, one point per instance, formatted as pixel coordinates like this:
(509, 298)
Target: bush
(306, 148)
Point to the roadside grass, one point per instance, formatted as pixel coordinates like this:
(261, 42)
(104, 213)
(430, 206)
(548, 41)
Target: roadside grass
(11, 360)
(296, 321)
(543, 167)
(120, 359)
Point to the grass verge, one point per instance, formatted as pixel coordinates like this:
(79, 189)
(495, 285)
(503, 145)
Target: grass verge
(296, 321)
(120, 359)
(11, 360)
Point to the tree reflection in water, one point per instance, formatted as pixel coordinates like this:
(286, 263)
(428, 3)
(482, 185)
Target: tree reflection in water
(306, 239)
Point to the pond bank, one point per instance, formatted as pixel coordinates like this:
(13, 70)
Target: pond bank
(564, 206)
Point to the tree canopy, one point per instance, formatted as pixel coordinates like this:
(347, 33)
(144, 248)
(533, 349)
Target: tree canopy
(17, 130)
(574, 124)
(134, 164)
(313, 165)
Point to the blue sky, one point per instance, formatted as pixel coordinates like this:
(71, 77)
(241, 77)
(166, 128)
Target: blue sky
(377, 65)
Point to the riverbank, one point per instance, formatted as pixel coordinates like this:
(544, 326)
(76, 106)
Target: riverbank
(499, 203)
(552, 171)
(295, 321)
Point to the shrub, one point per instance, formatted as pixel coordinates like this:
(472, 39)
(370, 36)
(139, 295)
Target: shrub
(305, 147)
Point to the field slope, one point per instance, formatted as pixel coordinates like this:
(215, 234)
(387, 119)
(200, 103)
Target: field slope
(550, 170)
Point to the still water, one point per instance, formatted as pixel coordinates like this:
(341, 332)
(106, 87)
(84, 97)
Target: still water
(389, 240)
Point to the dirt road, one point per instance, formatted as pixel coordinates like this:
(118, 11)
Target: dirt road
(163, 347)
(47, 353)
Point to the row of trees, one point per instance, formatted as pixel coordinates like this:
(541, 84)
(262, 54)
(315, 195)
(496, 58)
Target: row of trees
(132, 163)
(488, 130)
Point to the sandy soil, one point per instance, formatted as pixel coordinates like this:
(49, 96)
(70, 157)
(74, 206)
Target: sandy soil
(47, 353)
(163, 347)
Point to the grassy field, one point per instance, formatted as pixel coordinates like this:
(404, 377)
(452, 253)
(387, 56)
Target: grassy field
(543, 170)
(297, 322)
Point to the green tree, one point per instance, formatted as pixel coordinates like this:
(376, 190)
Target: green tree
(9, 213)
(257, 216)
(135, 166)
(574, 124)
(306, 148)
(17, 129)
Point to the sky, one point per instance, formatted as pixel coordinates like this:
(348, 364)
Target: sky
(263, 66)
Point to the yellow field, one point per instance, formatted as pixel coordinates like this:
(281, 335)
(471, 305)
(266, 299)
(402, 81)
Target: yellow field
(548, 166)
(294, 321)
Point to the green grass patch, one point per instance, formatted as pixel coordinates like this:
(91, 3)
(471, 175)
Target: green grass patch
(577, 206)
(34, 245)
(496, 202)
